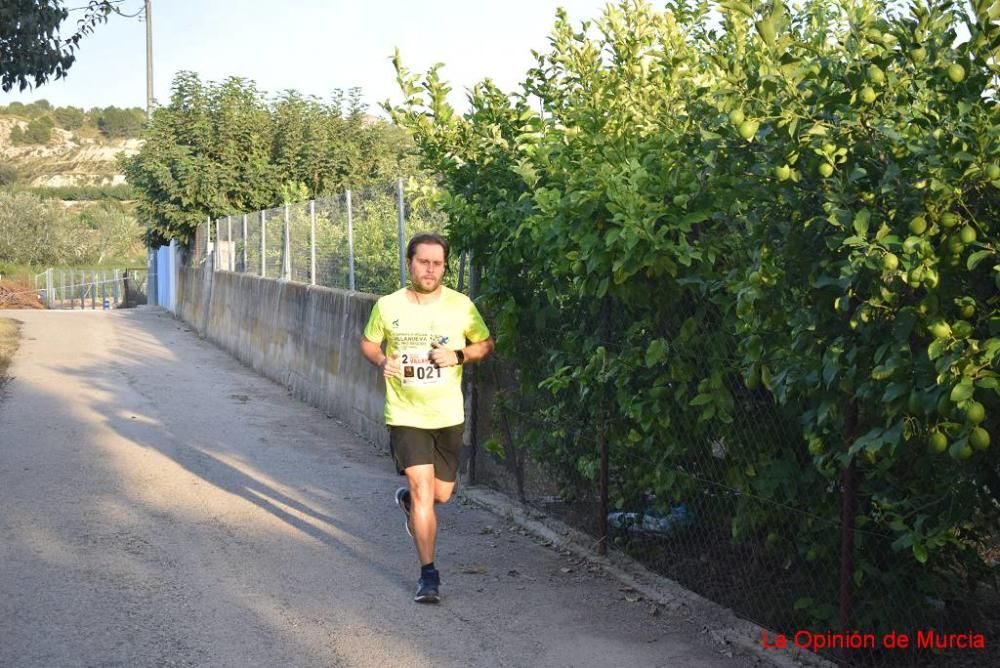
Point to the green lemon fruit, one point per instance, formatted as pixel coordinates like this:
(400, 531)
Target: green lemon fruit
(748, 129)
(960, 450)
(938, 442)
(956, 72)
(967, 234)
(967, 310)
(931, 278)
(876, 75)
(975, 412)
(955, 245)
(962, 329)
(783, 173)
(868, 95)
(993, 171)
(890, 262)
(825, 170)
(736, 116)
(949, 219)
(918, 225)
(979, 438)
(919, 54)
(939, 329)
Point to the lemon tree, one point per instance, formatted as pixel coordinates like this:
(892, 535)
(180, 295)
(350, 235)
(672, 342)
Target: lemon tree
(814, 188)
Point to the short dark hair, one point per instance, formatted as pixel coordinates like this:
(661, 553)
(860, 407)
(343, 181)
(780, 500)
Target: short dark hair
(426, 238)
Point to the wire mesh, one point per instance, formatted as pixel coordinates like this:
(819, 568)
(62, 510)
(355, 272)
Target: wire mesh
(274, 242)
(252, 244)
(368, 217)
(376, 244)
(332, 269)
(200, 244)
(743, 516)
(91, 288)
(300, 242)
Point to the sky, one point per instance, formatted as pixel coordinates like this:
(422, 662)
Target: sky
(312, 46)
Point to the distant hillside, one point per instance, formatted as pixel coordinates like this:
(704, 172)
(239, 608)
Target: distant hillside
(69, 159)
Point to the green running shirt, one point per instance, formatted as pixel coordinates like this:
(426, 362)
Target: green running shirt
(423, 395)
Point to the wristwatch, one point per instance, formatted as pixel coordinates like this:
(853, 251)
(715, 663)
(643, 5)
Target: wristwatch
(460, 356)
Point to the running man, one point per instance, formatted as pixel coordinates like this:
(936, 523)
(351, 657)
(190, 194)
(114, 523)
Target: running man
(429, 332)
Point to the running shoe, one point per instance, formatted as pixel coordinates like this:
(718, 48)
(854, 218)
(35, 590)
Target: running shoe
(427, 588)
(403, 501)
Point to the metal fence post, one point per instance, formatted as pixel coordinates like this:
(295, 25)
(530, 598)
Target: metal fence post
(117, 288)
(93, 290)
(350, 243)
(215, 248)
(230, 251)
(312, 242)
(48, 287)
(286, 264)
(263, 244)
(401, 219)
(83, 289)
(244, 266)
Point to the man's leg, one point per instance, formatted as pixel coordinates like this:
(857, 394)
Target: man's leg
(425, 491)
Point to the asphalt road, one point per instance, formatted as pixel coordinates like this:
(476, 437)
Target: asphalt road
(162, 505)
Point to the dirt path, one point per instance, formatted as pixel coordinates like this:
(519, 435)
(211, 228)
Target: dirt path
(164, 506)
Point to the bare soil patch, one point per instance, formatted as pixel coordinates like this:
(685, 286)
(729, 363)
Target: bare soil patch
(17, 294)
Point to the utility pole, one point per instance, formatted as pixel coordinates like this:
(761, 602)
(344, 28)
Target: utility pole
(149, 60)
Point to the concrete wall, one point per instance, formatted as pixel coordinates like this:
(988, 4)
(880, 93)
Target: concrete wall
(304, 337)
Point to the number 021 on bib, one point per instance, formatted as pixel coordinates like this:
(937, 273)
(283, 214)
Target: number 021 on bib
(416, 368)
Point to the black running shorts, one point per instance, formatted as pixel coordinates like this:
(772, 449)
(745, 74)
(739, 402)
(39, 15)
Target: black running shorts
(411, 446)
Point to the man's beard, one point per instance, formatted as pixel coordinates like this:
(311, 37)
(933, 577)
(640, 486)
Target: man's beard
(417, 287)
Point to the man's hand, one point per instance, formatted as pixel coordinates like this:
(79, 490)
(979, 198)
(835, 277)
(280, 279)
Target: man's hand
(390, 366)
(442, 357)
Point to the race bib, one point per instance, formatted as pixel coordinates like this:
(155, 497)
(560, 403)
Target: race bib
(416, 369)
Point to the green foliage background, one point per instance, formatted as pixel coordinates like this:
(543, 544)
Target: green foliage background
(222, 149)
(110, 122)
(40, 233)
(706, 210)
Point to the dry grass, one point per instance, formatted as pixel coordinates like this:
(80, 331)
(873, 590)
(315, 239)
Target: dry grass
(10, 331)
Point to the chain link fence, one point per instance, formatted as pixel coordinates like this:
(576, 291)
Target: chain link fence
(74, 288)
(749, 523)
(354, 240)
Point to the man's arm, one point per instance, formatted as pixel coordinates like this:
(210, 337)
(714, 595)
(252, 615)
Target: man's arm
(373, 353)
(473, 352)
